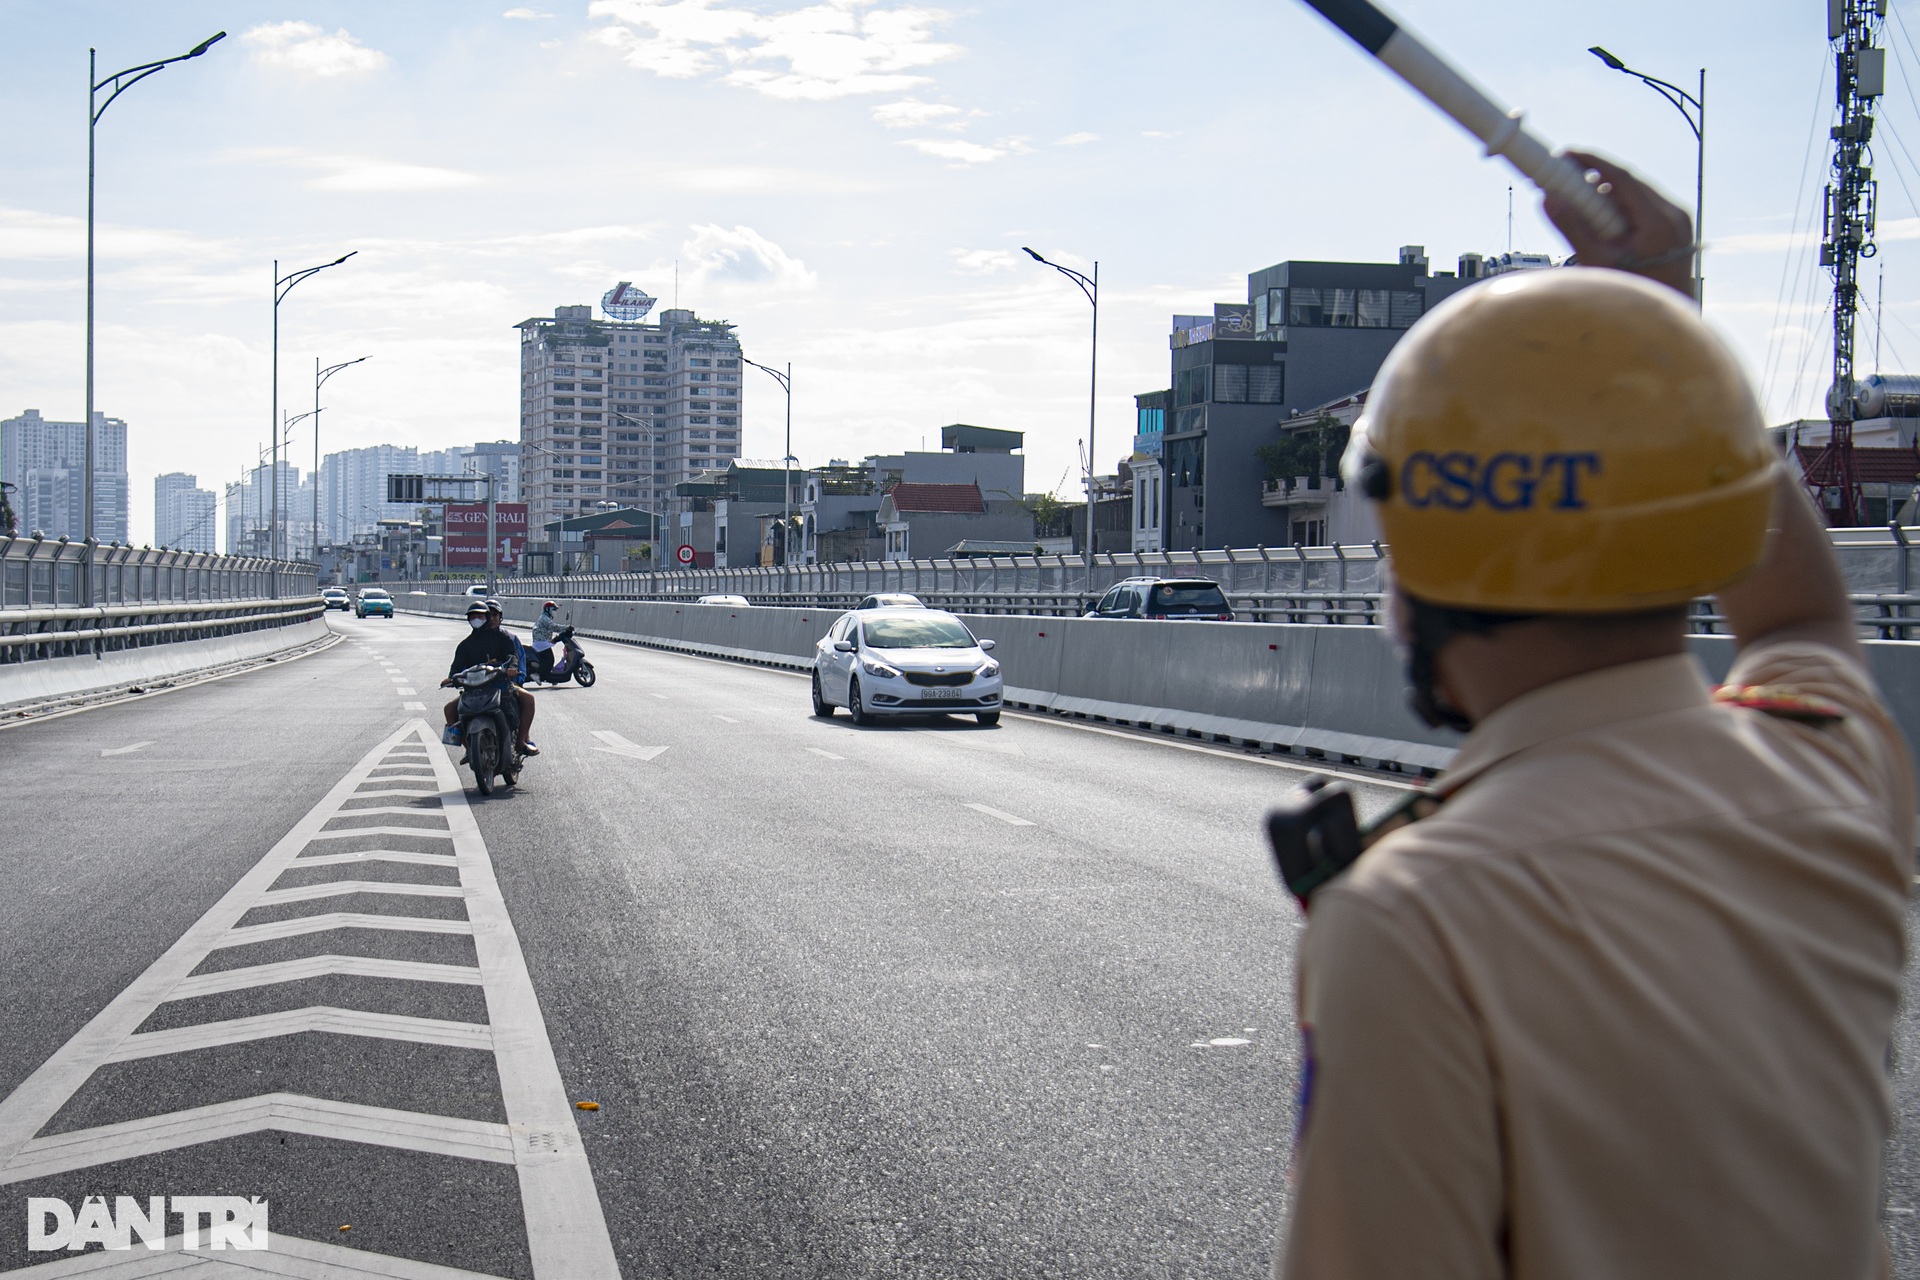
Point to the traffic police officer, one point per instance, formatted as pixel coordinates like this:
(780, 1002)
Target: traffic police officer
(1621, 1006)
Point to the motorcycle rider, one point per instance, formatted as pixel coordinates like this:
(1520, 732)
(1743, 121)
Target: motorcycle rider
(543, 632)
(496, 619)
(487, 644)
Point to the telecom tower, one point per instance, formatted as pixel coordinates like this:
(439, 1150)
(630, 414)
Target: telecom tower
(1860, 74)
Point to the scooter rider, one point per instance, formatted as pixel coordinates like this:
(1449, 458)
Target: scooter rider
(495, 618)
(1622, 1005)
(543, 633)
(483, 644)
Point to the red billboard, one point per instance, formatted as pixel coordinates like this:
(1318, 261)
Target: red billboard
(467, 534)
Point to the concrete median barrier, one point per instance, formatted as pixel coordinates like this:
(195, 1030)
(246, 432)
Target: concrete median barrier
(1322, 691)
(25, 684)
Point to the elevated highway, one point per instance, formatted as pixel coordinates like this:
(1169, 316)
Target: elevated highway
(918, 1000)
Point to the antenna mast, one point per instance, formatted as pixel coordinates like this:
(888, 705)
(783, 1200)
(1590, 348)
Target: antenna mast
(1860, 68)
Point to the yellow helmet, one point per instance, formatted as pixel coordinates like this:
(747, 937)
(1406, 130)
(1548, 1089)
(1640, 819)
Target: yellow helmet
(1565, 441)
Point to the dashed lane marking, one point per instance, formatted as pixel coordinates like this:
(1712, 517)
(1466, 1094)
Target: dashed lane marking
(828, 754)
(1001, 814)
(413, 706)
(407, 691)
(726, 719)
(121, 751)
(619, 746)
(565, 1230)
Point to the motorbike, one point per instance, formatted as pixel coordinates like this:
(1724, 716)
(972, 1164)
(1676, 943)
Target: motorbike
(489, 721)
(571, 664)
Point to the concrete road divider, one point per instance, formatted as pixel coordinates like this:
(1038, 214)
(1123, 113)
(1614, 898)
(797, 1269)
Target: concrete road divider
(51, 679)
(1325, 692)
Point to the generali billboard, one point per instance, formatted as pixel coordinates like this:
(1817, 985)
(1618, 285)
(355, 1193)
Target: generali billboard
(467, 533)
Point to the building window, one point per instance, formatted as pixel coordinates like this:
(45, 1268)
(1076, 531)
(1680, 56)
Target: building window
(563, 414)
(700, 421)
(1193, 386)
(1230, 383)
(592, 417)
(1341, 307)
(1150, 422)
(563, 400)
(1406, 308)
(1267, 384)
(1303, 306)
(1374, 309)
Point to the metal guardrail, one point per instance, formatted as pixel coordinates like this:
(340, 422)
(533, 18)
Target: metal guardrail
(27, 635)
(50, 572)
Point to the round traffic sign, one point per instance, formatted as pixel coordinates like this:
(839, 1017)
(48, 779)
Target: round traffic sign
(685, 554)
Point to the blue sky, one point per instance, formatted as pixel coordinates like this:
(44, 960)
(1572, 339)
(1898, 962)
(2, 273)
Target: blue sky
(849, 181)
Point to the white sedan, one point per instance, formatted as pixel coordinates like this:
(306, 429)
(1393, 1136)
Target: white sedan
(911, 661)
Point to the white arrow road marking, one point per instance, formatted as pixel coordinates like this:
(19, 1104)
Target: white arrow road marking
(1005, 817)
(565, 1229)
(121, 751)
(828, 754)
(619, 746)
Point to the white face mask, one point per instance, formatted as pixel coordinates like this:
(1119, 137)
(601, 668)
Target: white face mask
(476, 623)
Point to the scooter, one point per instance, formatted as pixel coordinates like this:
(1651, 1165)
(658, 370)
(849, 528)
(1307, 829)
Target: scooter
(489, 724)
(571, 665)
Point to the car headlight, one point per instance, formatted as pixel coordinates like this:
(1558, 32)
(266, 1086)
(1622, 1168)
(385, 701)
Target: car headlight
(873, 667)
(987, 670)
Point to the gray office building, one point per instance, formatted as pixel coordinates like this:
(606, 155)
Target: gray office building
(1309, 333)
(45, 462)
(184, 514)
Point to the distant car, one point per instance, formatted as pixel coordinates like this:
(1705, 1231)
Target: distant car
(478, 589)
(904, 661)
(373, 600)
(337, 598)
(891, 600)
(738, 602)
(1166, 599)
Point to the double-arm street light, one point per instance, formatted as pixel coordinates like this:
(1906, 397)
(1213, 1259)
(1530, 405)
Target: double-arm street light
(320, 377)
(1089, 285)
(116, 84)
(1696, 119)
(282, 286)
(786, 461)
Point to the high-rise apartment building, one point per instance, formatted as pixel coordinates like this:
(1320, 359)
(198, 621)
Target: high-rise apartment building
(618, 410)
(248, 505)
(183, 513)
(353, 490)
(45, 462)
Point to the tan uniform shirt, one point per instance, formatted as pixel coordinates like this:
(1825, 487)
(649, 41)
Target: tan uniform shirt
(1622, 1007)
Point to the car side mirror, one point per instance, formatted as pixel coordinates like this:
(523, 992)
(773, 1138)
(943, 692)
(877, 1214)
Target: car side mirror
(986, 646)
(843, 646)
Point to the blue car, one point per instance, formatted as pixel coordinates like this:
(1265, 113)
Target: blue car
(373, 600)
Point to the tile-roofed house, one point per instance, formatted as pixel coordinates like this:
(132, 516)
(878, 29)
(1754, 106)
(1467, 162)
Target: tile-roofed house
(955, 499)
(919, 519)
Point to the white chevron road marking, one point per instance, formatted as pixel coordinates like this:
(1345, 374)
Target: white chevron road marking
(266, 975)
(566, 1231)
(282, 1112)
(289, 1022)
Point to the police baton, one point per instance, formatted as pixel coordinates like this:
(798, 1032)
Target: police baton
(1497, 128)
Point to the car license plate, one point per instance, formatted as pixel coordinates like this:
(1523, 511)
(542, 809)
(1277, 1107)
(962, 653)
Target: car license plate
(943, 693)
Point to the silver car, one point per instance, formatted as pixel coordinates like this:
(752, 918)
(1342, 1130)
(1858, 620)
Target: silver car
(904, 661)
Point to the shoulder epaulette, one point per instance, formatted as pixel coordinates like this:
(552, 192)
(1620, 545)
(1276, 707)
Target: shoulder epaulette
(1787, 704)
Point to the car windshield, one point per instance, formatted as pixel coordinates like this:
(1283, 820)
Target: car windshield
(932, 632)
(1188, 597)
(373, 595)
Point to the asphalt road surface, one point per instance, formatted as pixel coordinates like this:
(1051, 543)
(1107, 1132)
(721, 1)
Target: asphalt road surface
(923, 1000)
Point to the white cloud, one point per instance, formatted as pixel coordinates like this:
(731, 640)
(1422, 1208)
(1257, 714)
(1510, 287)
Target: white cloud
(910, 113)
(1160, 133)
(306, 49)
(716, 255)
(983, 262)
(960, 151)
(376, 175)
(1077, 139)
(525, 14)
(833, 49)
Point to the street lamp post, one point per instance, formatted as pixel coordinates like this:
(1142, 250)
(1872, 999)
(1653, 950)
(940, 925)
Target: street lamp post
(786, 462)
(320, 377)
(1089, 285)
(282, 286)
(119, 82)
(1697, 121)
